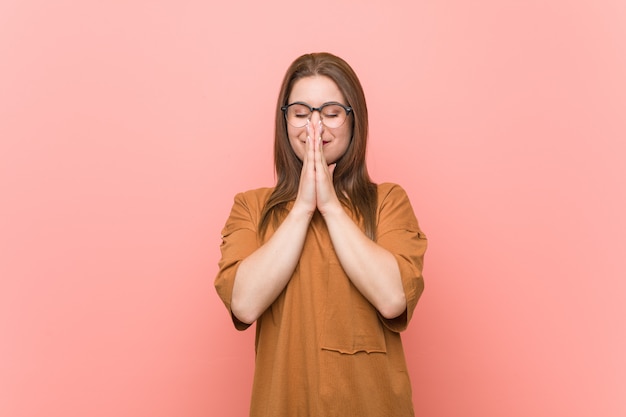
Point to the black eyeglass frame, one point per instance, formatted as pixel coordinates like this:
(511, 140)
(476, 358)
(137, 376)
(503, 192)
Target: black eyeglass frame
(347, 109)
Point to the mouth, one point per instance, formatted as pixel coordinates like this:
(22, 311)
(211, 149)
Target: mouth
(325, 142)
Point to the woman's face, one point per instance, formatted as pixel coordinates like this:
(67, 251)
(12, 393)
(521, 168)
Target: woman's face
(315, 91)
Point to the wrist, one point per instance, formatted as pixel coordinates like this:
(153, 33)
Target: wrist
(301, 212)
(333, 211)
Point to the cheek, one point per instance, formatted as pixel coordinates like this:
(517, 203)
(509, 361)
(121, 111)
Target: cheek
(295, 134)
(350, 128)
(346, 134)
(297, 145)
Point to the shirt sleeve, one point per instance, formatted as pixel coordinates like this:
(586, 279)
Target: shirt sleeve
(398, 231)
(239, 239)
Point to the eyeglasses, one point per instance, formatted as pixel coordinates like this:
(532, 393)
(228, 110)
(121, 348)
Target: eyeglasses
(333, 114)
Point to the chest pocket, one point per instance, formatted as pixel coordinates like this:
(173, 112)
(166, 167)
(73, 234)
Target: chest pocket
(351, 323)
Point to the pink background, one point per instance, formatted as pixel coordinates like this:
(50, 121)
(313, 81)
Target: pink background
(127, 127)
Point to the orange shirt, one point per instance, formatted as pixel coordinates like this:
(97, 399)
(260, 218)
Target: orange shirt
(321, 348)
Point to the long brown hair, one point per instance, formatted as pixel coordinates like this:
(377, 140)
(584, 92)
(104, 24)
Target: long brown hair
(352, 183)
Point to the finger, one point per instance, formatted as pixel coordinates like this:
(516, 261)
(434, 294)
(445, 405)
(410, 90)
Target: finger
(317, 132)
(306, 190)
(322, 170)
(310, 146)
(320, 146)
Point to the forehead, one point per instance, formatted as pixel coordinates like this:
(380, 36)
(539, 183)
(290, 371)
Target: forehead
(316, 90)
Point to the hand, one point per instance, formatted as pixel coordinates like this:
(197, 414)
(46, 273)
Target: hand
(326, 198)
(306, 198)
(316, 189)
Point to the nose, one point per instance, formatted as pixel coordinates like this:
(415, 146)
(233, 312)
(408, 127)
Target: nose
(316, 117)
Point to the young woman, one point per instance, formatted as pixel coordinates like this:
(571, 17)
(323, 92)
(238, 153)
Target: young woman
(327, 263)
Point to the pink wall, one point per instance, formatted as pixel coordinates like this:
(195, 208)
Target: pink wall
(127, 127)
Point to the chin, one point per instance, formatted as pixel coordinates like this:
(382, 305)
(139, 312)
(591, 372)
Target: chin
(332, 158)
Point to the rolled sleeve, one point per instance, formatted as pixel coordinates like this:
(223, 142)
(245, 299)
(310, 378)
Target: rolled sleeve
(398, 231)
(239, 239)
